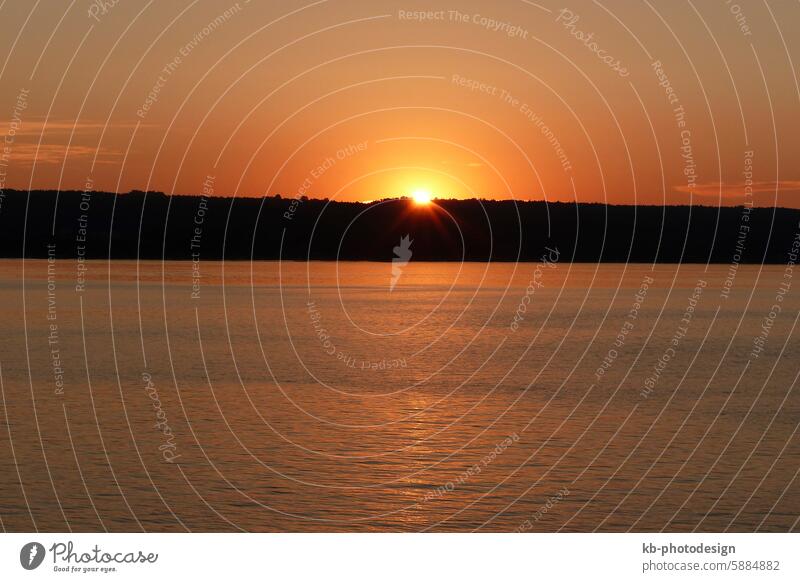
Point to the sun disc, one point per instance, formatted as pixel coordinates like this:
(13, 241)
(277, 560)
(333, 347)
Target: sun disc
(421, 196)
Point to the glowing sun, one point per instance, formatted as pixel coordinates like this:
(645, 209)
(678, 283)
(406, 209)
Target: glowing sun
(421, 196)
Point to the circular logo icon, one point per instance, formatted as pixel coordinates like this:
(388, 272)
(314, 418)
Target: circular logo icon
(31, 555)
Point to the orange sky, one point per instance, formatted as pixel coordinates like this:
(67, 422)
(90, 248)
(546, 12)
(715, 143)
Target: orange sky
(361, 100)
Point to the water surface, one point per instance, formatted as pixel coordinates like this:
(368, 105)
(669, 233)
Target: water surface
(313, 397)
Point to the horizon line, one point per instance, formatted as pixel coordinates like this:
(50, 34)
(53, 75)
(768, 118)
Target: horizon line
(407, 198)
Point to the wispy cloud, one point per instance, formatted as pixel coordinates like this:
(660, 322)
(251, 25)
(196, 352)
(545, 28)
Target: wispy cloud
(28, 153)
(46, 142)
(36, 127)
(737, 189)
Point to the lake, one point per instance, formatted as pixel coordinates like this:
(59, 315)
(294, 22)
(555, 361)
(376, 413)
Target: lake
(324, 396)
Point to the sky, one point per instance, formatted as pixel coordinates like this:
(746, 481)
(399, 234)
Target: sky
(653, 102)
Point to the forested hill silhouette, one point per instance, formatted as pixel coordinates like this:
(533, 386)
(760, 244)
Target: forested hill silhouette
(74, 224)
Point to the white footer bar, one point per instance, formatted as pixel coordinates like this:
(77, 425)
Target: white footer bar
(400, 557)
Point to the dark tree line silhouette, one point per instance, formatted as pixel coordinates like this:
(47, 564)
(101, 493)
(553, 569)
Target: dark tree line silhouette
(156, 226)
